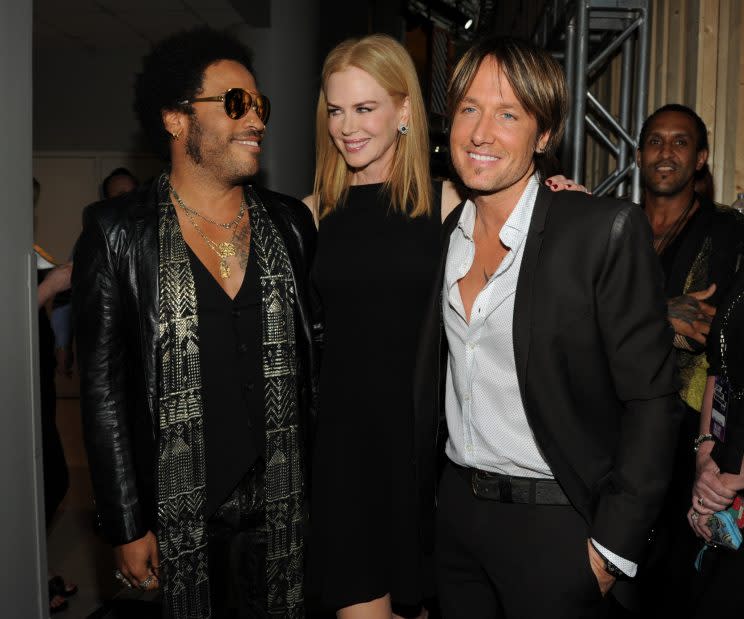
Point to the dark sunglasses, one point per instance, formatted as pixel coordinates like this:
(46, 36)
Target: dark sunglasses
(237, 102)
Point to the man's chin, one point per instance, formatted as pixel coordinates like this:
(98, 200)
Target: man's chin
(244, 174)
(666, 191)
(244, 179)
(482, 186)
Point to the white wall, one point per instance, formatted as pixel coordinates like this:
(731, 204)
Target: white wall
(70, 181)
(22, 544)
(287, 68)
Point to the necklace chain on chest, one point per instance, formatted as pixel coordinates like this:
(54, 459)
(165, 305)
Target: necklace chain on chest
(228, 226)
(224, 249)
(666, 239)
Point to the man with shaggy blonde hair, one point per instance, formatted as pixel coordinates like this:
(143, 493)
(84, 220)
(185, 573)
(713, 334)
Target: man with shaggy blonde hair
(555, 360)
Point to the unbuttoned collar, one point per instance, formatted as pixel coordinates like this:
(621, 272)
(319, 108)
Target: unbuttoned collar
(518, 221)
(512, 234)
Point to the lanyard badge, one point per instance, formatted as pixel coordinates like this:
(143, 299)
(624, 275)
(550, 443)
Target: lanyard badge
(721, 399)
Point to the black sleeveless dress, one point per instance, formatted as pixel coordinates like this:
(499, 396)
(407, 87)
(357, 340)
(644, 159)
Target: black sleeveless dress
(374, 271)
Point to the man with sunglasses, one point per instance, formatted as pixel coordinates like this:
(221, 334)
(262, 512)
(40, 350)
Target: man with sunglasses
(196, 350)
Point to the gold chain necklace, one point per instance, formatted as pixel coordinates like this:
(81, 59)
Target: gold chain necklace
(228, 226)
(225, 249)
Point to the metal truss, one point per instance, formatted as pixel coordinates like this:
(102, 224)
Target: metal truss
(587, 35)
(459, 17)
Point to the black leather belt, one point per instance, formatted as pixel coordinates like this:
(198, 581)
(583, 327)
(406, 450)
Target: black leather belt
(507, 489)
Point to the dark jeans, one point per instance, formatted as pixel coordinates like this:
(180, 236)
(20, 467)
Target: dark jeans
(511, 560)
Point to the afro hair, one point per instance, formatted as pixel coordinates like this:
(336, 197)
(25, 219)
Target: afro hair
(173, 71)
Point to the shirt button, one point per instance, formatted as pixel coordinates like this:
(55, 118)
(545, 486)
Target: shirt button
(236, 313)
(471, 345)
(248, 386)
(466, 397)
(243, 348)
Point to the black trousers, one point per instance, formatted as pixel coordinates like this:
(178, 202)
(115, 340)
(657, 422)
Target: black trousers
(499, 560)
(666, 579)
(719, 587)
(56, 473)
(237, 544)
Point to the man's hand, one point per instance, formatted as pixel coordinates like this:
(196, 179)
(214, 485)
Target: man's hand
(138, 560)
(690, 315)
(561, 183)
(597, 562)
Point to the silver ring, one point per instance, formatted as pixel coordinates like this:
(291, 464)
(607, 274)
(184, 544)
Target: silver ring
(695, 515)
(122, 579)
(145, 584)
(700, 501)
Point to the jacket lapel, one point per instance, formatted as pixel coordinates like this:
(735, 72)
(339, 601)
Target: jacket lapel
(447, 227)
(524, 297)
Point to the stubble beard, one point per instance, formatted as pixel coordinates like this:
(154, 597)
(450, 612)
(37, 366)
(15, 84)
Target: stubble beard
(496, 184)
(193, 141)
(227, 172)
(668, 191)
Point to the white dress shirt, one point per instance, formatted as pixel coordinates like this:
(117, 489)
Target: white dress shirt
(487, 423)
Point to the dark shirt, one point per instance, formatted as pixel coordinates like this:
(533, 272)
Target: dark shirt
(730, 320)
(705, 251)
(711, 240)
(230, 342)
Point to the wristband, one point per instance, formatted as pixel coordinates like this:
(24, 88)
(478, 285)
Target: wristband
(700, 440)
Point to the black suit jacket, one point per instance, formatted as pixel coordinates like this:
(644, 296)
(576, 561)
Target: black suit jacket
(595, 365)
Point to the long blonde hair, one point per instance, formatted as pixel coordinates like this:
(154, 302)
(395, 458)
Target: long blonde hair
(389, 64)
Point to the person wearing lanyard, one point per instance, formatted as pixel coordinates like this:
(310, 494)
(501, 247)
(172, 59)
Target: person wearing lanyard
(719, 470)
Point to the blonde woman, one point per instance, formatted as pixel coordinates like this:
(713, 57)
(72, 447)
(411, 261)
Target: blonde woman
(378, 243)
(377, 256)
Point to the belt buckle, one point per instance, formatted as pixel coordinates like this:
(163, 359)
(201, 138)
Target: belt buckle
(491, 486)
(505, 490)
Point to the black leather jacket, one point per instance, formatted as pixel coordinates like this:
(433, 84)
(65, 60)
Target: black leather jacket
(115, 305)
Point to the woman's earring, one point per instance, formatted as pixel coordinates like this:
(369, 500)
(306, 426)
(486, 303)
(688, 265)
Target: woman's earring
(403, 128)
(175, 136)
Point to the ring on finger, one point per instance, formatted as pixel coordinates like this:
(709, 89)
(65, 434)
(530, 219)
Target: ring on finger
(701, 502)
(145, 584)
(122, 579)
(695, 515)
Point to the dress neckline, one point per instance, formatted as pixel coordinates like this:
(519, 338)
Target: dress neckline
(366, 186)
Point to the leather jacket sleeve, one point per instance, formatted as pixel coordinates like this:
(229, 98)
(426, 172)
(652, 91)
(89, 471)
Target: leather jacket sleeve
(102, 349)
